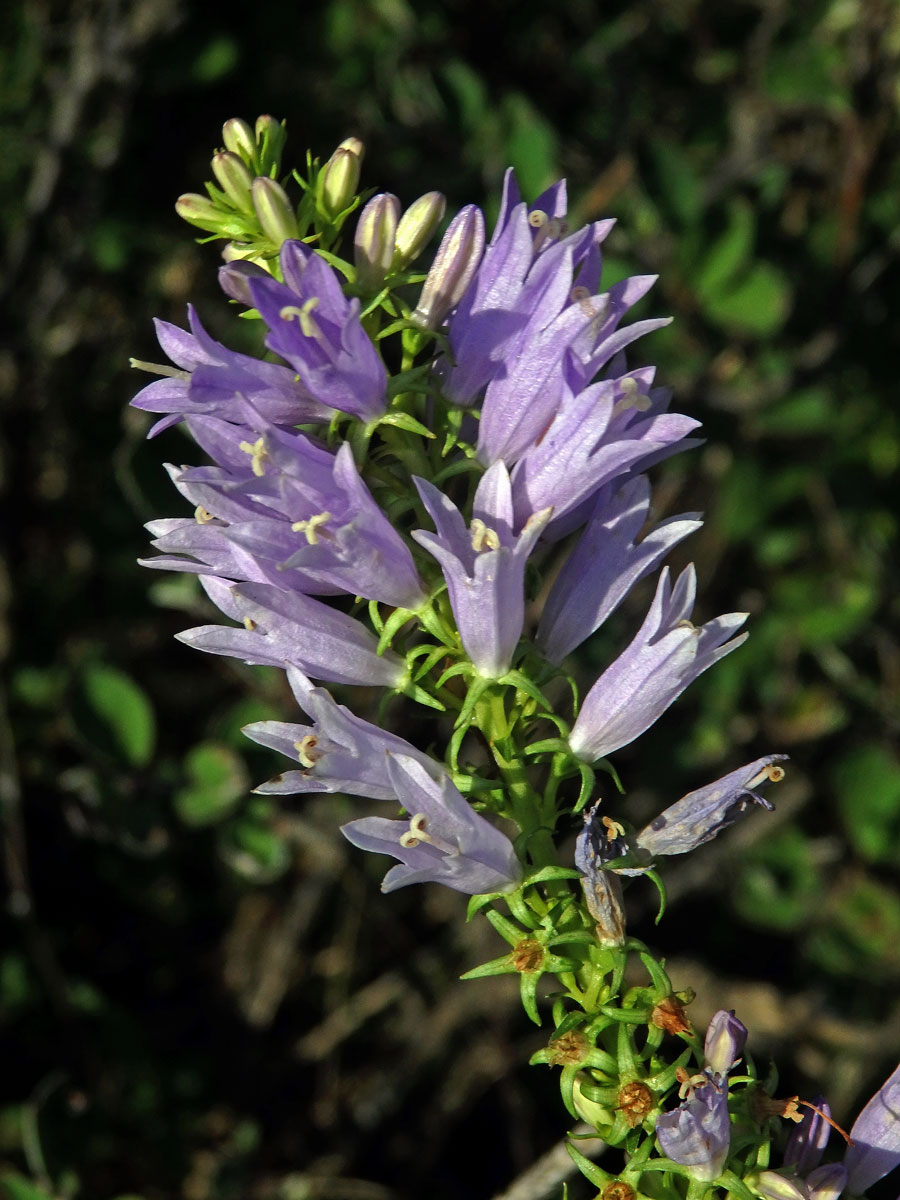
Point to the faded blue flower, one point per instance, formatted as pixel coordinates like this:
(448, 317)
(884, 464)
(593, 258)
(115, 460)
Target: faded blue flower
(443, 841)
(726, 1037)
(666, 655)
(697, 1134)
(807, 1141)
(699, 816)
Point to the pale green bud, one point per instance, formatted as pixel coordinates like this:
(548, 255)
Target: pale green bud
(270, 138)
(592, 1111)
(417, 227)
(339, 178)
(234, 179)
(206, 214)
(273, 208)
(772, 1186)
(373, 245)
(238, 138)
(454, 265)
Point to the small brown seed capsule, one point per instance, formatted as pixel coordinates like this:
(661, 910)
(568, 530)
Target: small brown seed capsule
(567, 1050)
(528, 956)
(618, 1189)
(669, 1015)
(634, 1101)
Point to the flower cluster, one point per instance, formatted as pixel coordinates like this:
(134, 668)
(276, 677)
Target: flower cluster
(436, 484)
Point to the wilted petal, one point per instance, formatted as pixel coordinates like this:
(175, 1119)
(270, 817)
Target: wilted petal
(699, 816)
(697, 1134)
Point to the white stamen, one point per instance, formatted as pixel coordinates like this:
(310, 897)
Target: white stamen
(537, 219)
(483, 538)
(259, 455)
(308, 326)
(158, 369)
(631, 398)
(772, 772)
(311, 527)
(306, 750)
(202, 515)
(249, 624)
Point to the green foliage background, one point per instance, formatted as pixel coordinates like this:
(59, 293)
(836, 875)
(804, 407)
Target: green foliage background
(202, 994)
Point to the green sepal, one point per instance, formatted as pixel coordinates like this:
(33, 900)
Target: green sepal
(547, 873)
(377, 623)
(567, 1088)
(548, 746)
(508, 931)
(497, 966)
(477, 903)
(414, 692)
(473, 695)
(407, 422)
(627, 1058)
(594, 1174)
(735, 1185)
(528, 989)
(521, 911)
(626, 1016)
(587, 786)
(657, 882)
(458, 467)
(604, 764)
(572, 1020)
(524, 684)
(392, 626)
(434, 656)
(459, 668)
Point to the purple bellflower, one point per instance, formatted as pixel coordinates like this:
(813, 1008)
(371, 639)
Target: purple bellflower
(444, 840)
(610, 429)
(279, 628)
(697, 1134)
(210, 379)
(808, 1140)
(294, 510)
(605, 565)
(876, 1138)
(666, 655)
(484, 566)
(339, 752)
(726, 1038)
(315, 328)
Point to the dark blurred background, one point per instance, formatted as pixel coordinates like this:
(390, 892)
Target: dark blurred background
(202, 994)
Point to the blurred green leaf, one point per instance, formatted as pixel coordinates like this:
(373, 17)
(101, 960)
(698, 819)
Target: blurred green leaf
(116, 715)
(779, 885)
(757, 306)
(217, 59)
(810, 411)
(17, 1187)
(860, 931)
(531, 145)
(867, 783)
(218, 780)
(728, 255)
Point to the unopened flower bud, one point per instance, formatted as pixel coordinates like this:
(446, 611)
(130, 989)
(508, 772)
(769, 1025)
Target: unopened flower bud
(591, 1111)
(808, 1139)
(373, 245)
(206, 214)
(273, 208)
(417, 227)
(772, 1186)
(826, 1183)
(234, 179)
(339, 178)
(725, 1041)
(270, 138)
(239, 139)
(234, 280)
(454, 266)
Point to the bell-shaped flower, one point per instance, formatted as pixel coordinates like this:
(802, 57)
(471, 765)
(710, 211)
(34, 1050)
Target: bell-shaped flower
(826, 1182)
(280, 628)
(443, 841)
(297, 511)
(210, 379)
(605, 565)
(484, 566)
(666, 655)
(875, 1138)
(612, 428)
(697, 1134)
(315, 328)
(808, 1139)
(700, 815)
(339, 752)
